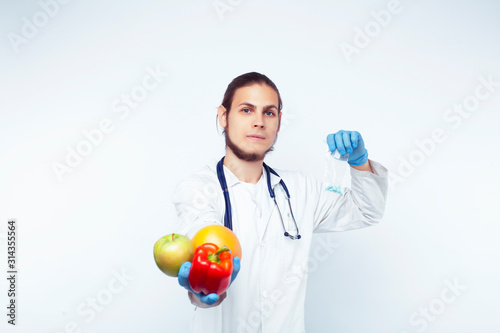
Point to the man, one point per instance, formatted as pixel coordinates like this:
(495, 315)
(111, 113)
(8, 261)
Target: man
(275, 236)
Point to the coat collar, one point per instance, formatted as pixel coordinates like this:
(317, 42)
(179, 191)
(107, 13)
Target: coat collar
(232, 180)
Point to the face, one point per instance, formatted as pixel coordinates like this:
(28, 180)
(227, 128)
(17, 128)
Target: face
(252, 126)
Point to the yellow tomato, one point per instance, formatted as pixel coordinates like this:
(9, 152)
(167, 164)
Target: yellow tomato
(220, 236)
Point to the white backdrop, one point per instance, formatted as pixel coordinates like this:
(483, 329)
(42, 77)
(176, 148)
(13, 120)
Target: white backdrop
(419, 80)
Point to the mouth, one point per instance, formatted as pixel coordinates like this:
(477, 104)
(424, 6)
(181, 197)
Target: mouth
(256, 137)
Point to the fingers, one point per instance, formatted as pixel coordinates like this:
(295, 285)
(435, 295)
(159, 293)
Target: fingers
(183, 275)
(339, 141)
(206, 301)
(236, 265)
(236, 268)
(346, 138)
(209, 299)
(330, 140)
(355, 136)
(343, 141)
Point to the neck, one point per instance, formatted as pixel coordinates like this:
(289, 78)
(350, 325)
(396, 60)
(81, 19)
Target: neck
(248, 172)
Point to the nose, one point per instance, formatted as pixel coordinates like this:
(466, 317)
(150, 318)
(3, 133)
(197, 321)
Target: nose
(258, 120)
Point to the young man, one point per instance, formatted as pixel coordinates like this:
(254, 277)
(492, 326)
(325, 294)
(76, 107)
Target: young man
(275, 233)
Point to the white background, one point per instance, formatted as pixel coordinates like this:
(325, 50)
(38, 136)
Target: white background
(103, 218)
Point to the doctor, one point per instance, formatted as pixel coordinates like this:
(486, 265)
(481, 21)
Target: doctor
(268, 294)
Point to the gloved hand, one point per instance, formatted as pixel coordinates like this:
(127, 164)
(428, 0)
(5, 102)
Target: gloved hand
(209, 299)
(350, 141)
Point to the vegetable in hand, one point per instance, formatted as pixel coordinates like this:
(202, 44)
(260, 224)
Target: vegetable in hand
(211, 269)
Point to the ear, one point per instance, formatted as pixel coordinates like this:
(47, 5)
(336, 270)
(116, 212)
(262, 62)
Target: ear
(279, 123)
(222, 115)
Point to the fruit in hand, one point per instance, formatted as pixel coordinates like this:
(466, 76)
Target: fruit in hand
(219, 235)
(171, 251)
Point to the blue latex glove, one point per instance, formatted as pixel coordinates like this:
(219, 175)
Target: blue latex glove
(350, 142)
(209, 299)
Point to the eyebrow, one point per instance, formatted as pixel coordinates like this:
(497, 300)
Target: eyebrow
(267, 107)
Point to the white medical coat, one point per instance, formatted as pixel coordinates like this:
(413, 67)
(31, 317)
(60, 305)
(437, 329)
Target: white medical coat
(269, 293)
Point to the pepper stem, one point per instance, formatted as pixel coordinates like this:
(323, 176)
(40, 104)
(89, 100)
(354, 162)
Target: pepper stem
(214, 257)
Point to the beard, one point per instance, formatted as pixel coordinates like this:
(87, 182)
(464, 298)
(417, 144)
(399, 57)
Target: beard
(243, 155)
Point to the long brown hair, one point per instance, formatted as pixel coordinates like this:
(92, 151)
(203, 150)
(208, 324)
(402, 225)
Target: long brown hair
(244, 80)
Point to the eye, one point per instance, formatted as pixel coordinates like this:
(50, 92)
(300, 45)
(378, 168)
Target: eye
(269, 113)
(246, 110)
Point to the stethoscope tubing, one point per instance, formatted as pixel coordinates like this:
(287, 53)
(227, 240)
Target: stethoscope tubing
(228, 215)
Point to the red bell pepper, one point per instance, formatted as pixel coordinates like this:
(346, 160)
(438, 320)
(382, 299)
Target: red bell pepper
(211, 269)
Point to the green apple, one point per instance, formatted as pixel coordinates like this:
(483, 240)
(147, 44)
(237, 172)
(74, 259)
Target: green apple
(171, 251)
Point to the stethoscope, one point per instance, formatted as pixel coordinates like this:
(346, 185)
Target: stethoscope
(228, 217)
